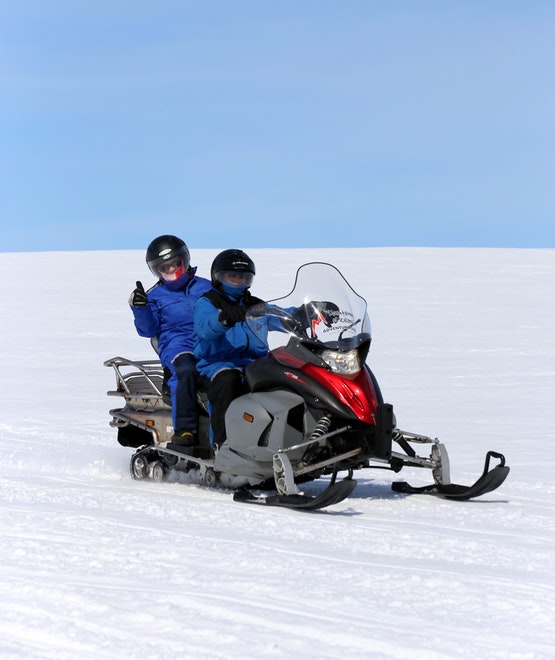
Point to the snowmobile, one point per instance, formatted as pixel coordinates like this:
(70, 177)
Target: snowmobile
(313, 409)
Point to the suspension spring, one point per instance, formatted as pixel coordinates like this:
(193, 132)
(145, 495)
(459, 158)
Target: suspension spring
(321, 428)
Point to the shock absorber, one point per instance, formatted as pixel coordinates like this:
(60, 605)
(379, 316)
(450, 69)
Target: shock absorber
(312, 450)
(321, 428)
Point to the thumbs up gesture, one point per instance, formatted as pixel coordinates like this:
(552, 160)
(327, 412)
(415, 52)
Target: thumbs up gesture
(138, 296)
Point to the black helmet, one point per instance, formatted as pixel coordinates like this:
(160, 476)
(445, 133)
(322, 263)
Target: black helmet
(164, 249)
(232, 260)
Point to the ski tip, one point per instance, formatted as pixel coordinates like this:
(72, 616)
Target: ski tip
(486, 483)
(333, 494)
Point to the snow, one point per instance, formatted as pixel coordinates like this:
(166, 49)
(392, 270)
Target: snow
(96, 565)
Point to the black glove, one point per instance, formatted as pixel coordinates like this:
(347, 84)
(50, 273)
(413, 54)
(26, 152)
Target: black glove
(314, 310)
(229, 317)
(138, 296)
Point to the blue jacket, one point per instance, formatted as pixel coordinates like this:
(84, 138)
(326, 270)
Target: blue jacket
(219, 347)
(169, 316)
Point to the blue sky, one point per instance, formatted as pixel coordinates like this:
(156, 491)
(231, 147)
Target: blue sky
(276, 123)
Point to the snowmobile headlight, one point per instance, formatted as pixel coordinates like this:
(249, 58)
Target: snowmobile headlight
(341, 362)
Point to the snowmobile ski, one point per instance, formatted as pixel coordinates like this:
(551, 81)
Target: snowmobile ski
(334, 493)
(489, 480)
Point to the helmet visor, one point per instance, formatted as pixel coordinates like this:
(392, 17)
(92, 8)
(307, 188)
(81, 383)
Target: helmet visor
(236, 278)
(168, 263)
(168, 266)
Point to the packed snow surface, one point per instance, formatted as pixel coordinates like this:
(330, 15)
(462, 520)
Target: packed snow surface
(97, 565)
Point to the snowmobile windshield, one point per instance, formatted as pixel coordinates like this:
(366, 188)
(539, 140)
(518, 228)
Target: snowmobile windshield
(322, 310)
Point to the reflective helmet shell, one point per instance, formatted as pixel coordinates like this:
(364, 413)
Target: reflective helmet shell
(231, 260)
(165, 248)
